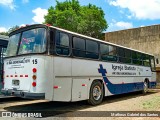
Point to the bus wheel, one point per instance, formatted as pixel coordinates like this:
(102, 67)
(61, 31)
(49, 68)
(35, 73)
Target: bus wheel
(145, 87)
(96, 93)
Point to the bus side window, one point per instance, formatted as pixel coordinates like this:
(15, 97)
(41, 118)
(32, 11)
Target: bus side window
(146, 60)
(128, 56)
(78, 47)
(121, 55)
(51, 42)
(92, 49)
(108, 52)
(124, 55)
(139, 55)
(62, 44)
(136, 58)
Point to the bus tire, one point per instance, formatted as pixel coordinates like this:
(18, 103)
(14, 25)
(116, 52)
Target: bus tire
(96, 93)
(145, 87)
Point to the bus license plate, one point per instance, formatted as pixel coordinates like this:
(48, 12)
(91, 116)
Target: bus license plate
(15, 82)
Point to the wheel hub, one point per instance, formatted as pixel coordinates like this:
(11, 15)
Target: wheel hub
(97, 92)
(145, 87)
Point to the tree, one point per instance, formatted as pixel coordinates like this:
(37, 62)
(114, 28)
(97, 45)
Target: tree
(13, 28)
(88, 20)
(4, 33)
(10, 30)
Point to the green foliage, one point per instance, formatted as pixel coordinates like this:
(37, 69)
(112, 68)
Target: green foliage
(88, 20)
(4, 33)
(10, 30)
(13, 28)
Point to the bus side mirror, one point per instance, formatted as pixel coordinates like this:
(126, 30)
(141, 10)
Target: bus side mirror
(157, 61)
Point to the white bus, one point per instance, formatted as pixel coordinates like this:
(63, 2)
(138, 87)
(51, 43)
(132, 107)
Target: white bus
(46, 62)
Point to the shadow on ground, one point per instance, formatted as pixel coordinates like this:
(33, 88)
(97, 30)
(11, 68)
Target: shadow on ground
(50, 109)
(10, 99)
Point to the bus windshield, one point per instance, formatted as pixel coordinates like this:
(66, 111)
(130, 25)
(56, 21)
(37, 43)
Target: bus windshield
(31, 41)
(12, 45)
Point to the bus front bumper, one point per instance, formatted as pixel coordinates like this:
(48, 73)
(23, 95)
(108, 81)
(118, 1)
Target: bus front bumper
(23, 94)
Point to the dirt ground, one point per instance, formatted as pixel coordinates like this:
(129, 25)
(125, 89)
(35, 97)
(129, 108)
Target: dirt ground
(126, 102)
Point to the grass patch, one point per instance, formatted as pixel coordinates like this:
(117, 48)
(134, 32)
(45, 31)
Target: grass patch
(152, 104)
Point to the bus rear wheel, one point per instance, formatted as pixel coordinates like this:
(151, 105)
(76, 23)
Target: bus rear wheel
(145, 87)
(96, 93)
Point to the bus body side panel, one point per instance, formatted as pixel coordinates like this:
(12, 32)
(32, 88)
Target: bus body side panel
(120, 78)
(49, 77)
(73, 78)
(143, 73)
(83, 73)
(63, 79)
(80, 89)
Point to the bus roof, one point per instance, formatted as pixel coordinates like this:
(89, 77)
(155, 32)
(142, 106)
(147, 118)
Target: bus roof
(91, 38)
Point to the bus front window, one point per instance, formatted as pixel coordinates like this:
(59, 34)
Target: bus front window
(33, 41)
(12, 45)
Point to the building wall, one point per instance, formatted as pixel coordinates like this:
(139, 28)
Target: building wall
(146, 39)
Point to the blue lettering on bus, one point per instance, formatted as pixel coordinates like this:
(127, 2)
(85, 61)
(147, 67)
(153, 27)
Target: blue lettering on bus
(121, 88)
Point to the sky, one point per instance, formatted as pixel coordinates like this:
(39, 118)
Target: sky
(119, 14)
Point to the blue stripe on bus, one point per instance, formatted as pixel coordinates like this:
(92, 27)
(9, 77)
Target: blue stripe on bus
(122, 88)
